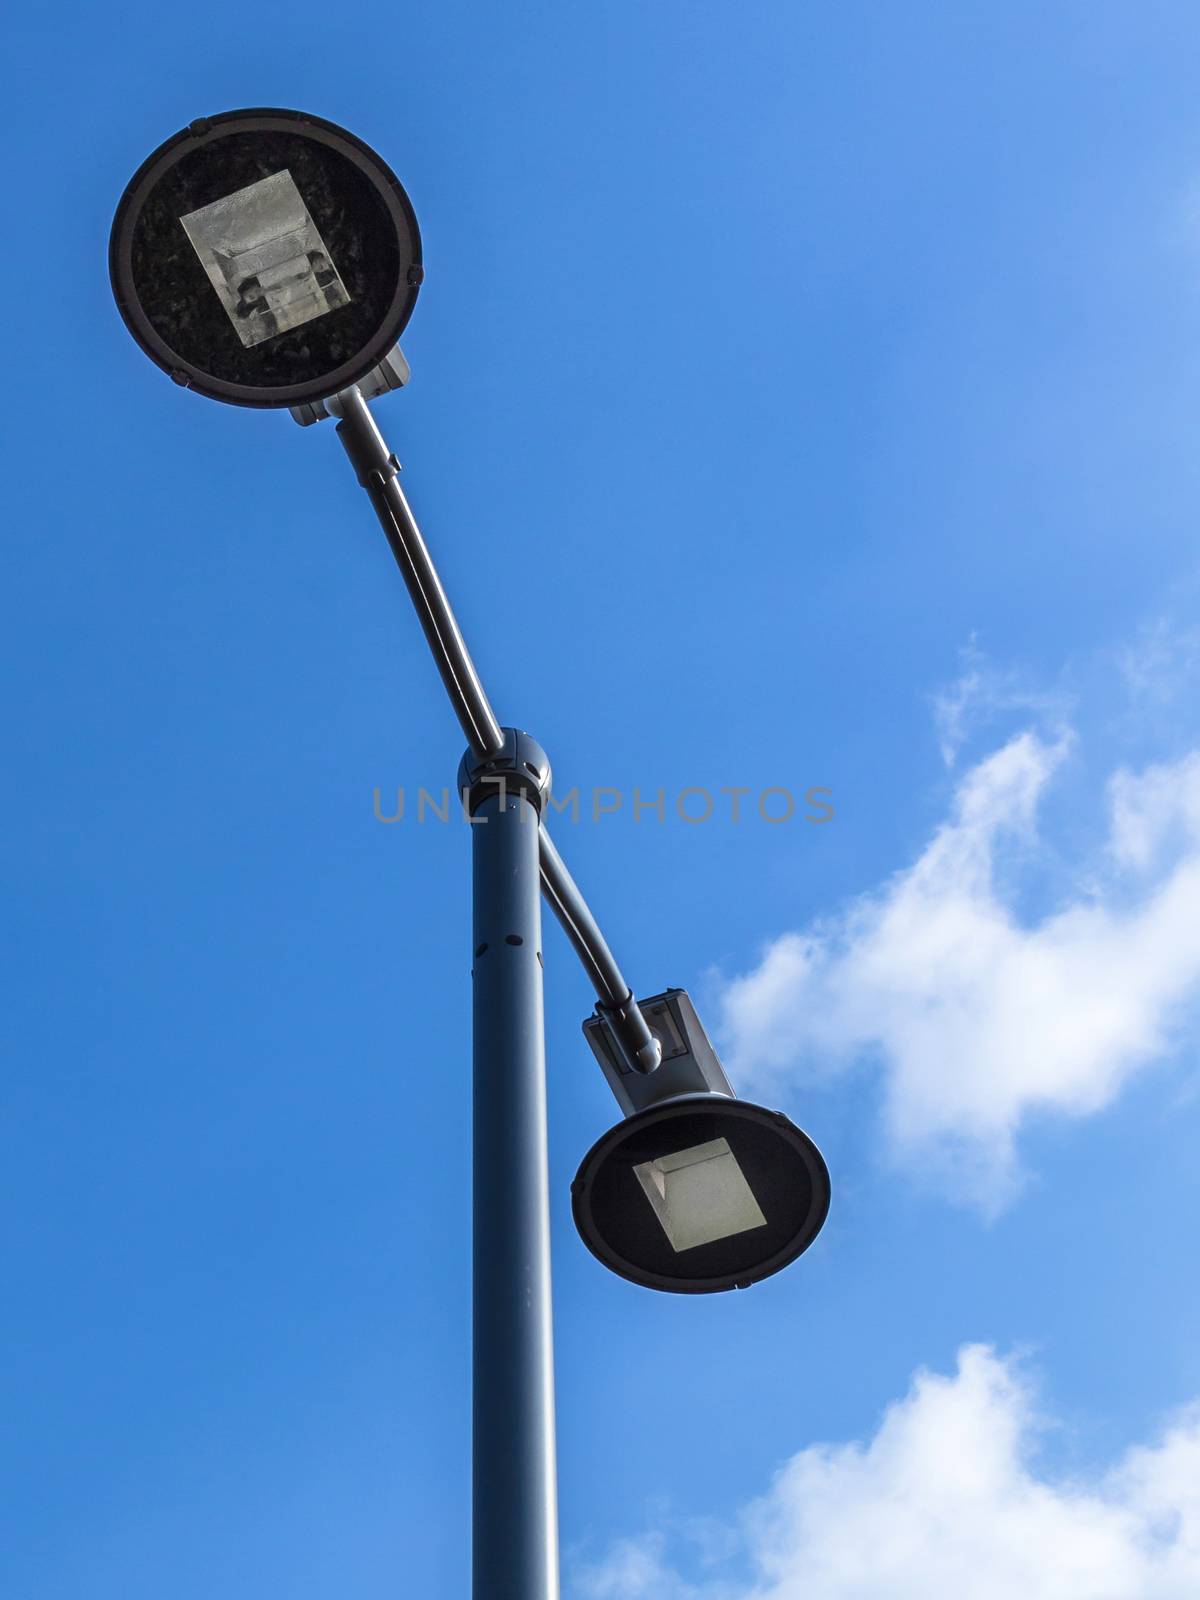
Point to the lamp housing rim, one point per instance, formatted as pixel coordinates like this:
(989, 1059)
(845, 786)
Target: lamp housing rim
(262, 119)
(664, 1111)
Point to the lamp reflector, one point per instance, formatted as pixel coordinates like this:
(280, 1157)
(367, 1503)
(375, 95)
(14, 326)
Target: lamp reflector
(265, 257)
(700, 1194)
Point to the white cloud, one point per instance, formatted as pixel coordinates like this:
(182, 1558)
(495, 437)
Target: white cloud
(944, 1500)
(977, 1018)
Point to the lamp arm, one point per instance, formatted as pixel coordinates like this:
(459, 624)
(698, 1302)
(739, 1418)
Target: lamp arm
(617, 1001)
(377, 470)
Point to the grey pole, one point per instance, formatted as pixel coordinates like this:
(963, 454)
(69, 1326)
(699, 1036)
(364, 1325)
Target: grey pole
(515, 1500)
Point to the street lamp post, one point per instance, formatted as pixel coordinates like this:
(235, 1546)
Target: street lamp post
(269, 258)
(514, 1489)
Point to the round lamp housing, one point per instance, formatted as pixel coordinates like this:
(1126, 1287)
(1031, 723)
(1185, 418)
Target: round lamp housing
(265, 258)
(700, 1193)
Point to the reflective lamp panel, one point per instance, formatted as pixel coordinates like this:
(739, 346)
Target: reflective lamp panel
(701, 1193)
(265, 258)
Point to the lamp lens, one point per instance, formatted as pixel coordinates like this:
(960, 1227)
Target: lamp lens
(700, 1194)
(266, 259)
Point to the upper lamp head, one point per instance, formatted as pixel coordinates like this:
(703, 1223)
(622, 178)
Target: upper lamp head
(265, 258)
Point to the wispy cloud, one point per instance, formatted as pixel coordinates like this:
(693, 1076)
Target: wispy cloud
(944, 1499)
(976, 1017)
(983, 692)
(1162, 663)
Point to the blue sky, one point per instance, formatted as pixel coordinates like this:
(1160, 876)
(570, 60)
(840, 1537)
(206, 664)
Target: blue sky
(801, 396)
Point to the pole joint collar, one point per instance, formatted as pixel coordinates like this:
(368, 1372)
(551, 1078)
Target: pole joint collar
(520, 766)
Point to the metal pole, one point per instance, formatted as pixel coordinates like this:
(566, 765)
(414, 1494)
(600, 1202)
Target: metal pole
(515, 1505)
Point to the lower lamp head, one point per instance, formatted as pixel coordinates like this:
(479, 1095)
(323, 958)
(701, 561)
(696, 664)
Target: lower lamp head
(700, 1193)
